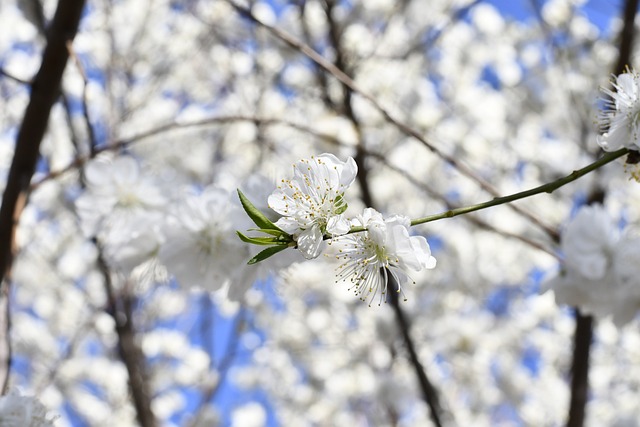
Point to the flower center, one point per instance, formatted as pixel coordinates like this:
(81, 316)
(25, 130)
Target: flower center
(379, 253)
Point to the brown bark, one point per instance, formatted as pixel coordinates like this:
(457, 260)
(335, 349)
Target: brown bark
(45, 88)
(44, 92)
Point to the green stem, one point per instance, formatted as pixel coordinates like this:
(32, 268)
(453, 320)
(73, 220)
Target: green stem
(545, 188)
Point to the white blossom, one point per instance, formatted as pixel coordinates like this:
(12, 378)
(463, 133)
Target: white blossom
(601, 267)
(23, 411)
(384, 249)
(115, 189)
(312, 202)
(201, 247)
(620, 119)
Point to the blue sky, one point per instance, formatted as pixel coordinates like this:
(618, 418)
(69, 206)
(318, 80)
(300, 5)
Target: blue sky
(598, 11)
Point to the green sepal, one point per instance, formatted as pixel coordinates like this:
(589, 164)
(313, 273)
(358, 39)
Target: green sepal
(267, 253)
(340, 204)
(264, 241)
(256, 216)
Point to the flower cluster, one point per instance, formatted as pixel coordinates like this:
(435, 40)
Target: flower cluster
(601, 267)
(374, 255)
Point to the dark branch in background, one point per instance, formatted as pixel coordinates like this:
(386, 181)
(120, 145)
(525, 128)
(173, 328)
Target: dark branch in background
(44, 91)
(580, 369)
(120, 307)
(583, 335)
(347, 105)
(429, 393)
(319, 74)
(626, 35)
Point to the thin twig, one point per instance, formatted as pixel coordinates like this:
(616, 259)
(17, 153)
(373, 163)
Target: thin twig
(545, 188)
(93, 142)
(10, 76)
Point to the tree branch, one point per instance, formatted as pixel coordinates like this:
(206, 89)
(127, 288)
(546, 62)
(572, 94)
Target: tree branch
(45, 88)
(580, 369)
(429, 392)
(120, 307)
(44, 92)
(347, 105)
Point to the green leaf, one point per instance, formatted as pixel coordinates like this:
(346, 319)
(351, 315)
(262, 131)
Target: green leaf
(265, 241)
(267, 253)
(256, 216)
(340, 204)
(276, 233)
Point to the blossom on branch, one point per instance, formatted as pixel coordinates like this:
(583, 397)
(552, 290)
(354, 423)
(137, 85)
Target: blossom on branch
(312, 202)
(601, 267)
(619, 121)
(384, 250)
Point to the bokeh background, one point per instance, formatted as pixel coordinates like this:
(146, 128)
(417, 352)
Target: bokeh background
(502, 95)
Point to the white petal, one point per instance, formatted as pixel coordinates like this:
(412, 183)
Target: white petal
(626, 84)
(423, 252)
(98, 173)
(288, 224)
(349, 172)
(126, 170)
(338, 225)
(310, 242)
(279, 202)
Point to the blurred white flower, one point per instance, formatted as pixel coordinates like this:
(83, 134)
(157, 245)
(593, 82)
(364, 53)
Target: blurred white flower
(115, 189)
(201, 247)
(251, 414)
(312, 202)
(385, 248)
(620, 119)
(601, 267)
(23, 411)
(134, 241)
(124, 209)
(589, 242)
